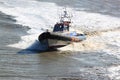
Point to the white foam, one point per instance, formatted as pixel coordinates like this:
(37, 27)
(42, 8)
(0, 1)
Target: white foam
(95, 21)
(31, 13)
(114, 72)
(25, 42)
(41, 14)
(38, 15)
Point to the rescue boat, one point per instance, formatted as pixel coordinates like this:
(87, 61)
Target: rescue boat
(61, 35)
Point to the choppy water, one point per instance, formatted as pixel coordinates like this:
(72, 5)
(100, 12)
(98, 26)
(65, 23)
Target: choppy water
(96, 58)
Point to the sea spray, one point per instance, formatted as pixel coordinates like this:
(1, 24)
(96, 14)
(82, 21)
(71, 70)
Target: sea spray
(32, 14)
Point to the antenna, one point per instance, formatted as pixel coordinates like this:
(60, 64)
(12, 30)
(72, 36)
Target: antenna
(64, 14)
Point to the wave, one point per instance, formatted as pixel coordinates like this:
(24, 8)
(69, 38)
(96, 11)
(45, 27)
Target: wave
(43, 15)
(39, 15)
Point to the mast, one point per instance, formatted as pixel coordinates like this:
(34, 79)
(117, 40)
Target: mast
(65, 15)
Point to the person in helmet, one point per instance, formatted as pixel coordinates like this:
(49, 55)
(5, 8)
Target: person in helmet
(66, 24)
(63, 25)
(58, 27)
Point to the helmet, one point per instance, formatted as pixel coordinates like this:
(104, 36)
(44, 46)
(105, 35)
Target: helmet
(66, 19)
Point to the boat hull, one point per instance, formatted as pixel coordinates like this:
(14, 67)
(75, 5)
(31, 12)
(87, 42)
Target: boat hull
(57, 43)
(58, 39)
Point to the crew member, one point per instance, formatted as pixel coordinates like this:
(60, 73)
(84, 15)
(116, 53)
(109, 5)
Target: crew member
(66, 24)
(63, 26)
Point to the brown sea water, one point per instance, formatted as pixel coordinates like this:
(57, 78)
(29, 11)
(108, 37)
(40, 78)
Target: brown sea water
(96, 58)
